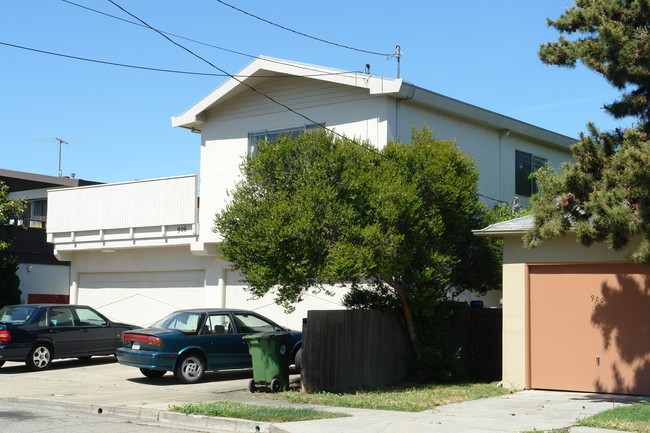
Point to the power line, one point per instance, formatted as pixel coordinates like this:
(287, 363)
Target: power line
(303, 34)
(271, 98)
(108, 63)
(146, 68)
(188, 39)
(264, 95)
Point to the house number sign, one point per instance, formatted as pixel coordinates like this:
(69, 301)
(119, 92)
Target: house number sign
(597, 299)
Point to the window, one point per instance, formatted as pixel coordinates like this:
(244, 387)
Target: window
(36, 213)
(250, 324)
(272, 135)
(186, 322)
(90, 318)
(525, 165)
(218, 324)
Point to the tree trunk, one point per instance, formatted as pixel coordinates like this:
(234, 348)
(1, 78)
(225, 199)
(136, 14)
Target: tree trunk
(408, 317)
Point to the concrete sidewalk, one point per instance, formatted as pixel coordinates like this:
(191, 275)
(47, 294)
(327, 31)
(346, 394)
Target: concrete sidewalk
(103, 386)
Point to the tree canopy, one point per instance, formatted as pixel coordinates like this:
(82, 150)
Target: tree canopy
(10, 210)
(611, 37)
(320, 211)
(605, 195)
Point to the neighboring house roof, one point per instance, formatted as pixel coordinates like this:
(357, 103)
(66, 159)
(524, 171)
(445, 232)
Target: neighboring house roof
(22, 181)
(511, 227)
(260, 69)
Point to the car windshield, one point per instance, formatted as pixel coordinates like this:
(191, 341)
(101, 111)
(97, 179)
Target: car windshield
(185, 322)
(16, 313)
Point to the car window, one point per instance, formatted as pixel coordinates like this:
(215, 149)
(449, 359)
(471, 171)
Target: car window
(88, 317)
(16, 313)
(216, 324)
(61, 316)
(186, 322)
(250, 324)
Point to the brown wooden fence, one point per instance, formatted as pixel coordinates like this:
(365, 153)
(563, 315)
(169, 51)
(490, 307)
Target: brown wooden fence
(355, 349)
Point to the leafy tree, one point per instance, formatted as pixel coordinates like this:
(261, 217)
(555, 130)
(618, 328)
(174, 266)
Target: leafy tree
(395, 224)
(605, 195)
(615, 43)
(10, 210)
(9, 282)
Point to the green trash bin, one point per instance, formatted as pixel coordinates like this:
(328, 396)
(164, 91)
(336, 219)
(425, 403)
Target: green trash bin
(270, 352)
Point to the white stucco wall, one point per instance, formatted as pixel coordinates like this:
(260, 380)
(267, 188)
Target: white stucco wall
(43, 279)
(224, 140)
(493, 149)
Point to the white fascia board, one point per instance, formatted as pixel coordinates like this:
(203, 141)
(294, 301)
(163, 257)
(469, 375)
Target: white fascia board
(480, 115)
(256, 71)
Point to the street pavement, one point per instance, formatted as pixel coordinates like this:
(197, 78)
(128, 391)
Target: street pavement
(100, 386)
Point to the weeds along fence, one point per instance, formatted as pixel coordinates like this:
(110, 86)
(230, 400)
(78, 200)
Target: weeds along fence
(345, 350)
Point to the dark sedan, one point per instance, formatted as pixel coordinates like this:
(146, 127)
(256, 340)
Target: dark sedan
(36, 334)
(191, 342)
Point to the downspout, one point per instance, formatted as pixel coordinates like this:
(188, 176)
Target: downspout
(502, 134)
(398, 105)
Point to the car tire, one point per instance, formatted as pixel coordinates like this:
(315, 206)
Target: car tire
(297, 360)
(40, 357)
(152, 374)
(189, 368)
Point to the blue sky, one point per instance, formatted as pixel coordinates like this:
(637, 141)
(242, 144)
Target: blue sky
(117, 120)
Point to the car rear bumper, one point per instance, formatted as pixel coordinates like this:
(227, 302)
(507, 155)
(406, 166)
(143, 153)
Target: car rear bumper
(14, 352)
(146, 359)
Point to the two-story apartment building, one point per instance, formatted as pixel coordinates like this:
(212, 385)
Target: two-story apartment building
(141, 249)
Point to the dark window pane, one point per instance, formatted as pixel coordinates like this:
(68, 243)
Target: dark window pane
(522, 173)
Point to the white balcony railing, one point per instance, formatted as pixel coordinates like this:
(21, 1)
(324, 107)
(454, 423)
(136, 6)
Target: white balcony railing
(130, 214)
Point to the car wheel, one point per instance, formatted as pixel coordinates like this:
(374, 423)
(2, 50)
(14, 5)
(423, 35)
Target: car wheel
(189, 368)
(153, 374)
(40, 357)
(275, 385)
(297, 360)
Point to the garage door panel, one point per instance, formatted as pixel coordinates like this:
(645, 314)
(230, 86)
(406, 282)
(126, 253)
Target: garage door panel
(141, 298)
(589, 328)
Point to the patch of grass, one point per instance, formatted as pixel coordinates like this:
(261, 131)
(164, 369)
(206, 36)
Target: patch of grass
(634, 418)
(555, 430)
(253, 412)
(405, 398)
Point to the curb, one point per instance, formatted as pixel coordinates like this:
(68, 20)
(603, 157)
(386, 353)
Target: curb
(148, 415)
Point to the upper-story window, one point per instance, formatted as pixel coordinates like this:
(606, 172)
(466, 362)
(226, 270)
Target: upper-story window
(36, 215)
(272, 135)
(525, 165)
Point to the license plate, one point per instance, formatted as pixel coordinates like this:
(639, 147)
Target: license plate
(136, 346)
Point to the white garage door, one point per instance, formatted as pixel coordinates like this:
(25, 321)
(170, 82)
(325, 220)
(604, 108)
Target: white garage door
(141, 298)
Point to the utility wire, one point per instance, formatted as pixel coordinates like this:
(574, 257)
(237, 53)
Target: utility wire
(267, 96)
(146, 68)
(193, 40)
(304, 34)
(108, 63)
(264, 95)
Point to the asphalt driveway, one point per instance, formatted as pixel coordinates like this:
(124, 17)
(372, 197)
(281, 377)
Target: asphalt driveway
(102, 381)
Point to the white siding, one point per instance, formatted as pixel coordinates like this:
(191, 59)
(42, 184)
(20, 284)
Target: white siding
(143, 203)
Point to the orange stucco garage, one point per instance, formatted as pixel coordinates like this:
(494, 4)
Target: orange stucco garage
(588, 327)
